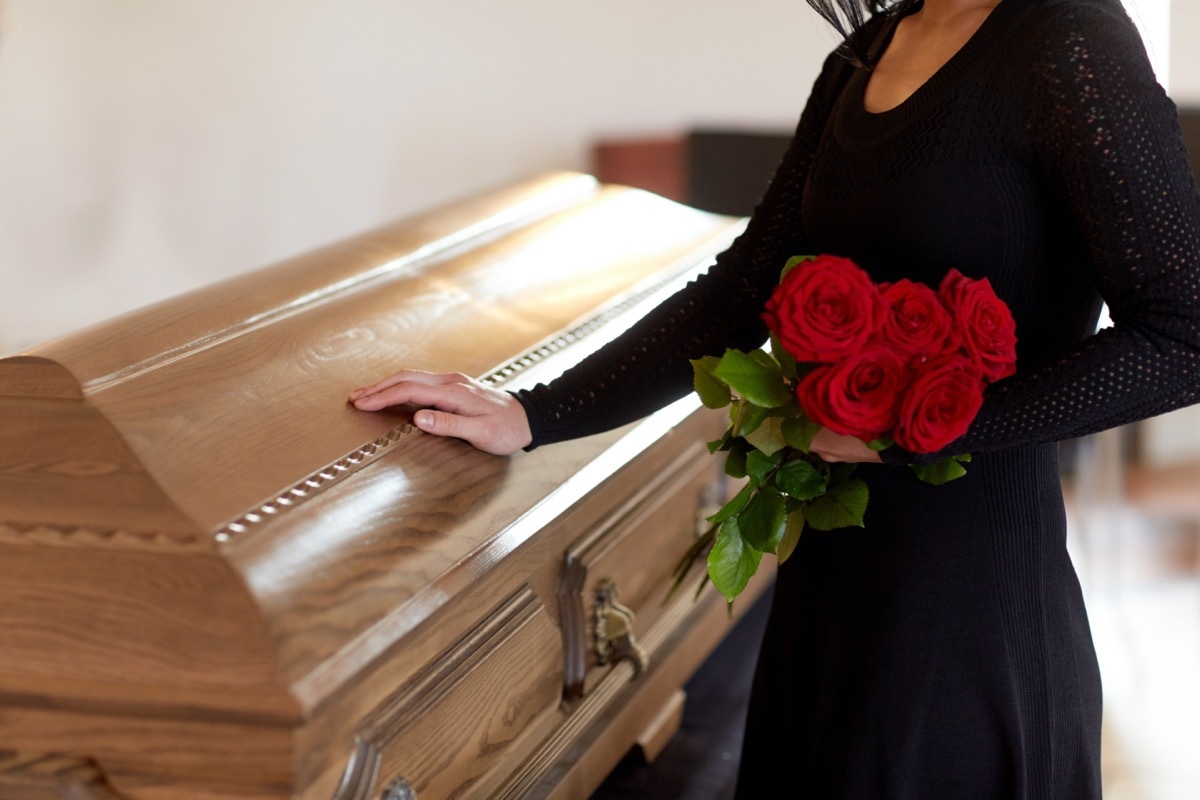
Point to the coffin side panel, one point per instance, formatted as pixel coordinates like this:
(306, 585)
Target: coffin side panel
(486, 704)
(91, 626)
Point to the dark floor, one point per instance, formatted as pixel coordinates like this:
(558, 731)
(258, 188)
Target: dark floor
(700, 761)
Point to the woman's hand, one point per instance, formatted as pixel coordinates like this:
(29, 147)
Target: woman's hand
(833, 447)
(489, 419)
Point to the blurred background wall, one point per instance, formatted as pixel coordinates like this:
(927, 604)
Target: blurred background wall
(149, 146)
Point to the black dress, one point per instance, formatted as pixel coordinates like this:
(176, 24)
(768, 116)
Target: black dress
(942, 652)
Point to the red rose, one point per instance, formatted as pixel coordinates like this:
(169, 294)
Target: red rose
(987, 328)
(915, 321)
(858, 396)
(824, 309)
(942, 400)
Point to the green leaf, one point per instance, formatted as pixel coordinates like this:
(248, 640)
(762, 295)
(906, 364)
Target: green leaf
(722, 443)
(735, 463)
(762, 521)
(787, 363)
(768, 436)
(792, 263)
(882, 443)
(791, 535)
(731, 562)
(799, 431)
(940, 472)
(733, 506)
(799, 479)
(759, 464)
(842, 506)
(766, 359)
(748, 417)
(712, 391)
(762, 384)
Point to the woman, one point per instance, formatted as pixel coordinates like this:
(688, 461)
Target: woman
(942, 651)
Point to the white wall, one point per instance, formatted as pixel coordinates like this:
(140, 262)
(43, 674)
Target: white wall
(1153, 18)
(1185, 55)
(150, 146)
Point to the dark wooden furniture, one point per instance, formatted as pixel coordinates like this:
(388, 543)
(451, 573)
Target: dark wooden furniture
(722, 170)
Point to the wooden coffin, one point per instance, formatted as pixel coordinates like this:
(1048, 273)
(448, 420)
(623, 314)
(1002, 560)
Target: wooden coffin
(220, 580)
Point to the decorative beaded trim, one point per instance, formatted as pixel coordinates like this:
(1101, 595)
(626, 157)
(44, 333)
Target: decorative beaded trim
(315, 483)
(92, 536)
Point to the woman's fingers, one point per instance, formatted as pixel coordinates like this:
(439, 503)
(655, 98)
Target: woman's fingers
(833, 447)
(410, 375)
(456, 397)
(455, 405)
(491, 433)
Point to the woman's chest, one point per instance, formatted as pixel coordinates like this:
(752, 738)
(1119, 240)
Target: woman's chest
(915, 193)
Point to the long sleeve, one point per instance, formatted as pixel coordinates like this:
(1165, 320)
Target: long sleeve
(648, 366)
(1108, 137)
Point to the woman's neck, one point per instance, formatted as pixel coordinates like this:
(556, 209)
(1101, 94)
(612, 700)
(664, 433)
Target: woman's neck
(923, 42)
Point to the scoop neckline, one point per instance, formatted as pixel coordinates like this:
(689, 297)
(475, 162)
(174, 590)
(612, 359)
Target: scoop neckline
(945, 78)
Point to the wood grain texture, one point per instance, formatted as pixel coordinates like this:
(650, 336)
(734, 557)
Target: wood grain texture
(207, 317)
(30, 376)
(219, 580)
(131, 750)
(265, 400)
(475, 706)
(108, 621)
(453, 593)
(587, 760)
(51, 778)
(62, 463)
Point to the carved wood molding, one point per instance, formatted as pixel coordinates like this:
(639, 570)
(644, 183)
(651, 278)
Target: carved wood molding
(591, 709)
(89, 536)
(576, 604)
(438, 680)
(314, 484)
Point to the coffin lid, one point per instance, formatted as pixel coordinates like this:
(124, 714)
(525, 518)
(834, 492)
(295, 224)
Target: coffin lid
(204, 446)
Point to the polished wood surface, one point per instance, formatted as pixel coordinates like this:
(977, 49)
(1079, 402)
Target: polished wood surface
(218, 579)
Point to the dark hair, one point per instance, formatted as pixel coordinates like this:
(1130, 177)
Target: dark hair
(848, 18)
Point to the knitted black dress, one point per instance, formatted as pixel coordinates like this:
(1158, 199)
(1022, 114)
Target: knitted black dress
(942, 652)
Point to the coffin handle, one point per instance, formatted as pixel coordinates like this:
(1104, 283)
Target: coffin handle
(613, 630)
(398, 789)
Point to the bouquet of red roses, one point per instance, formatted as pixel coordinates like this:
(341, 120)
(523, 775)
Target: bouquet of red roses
(896, 363)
